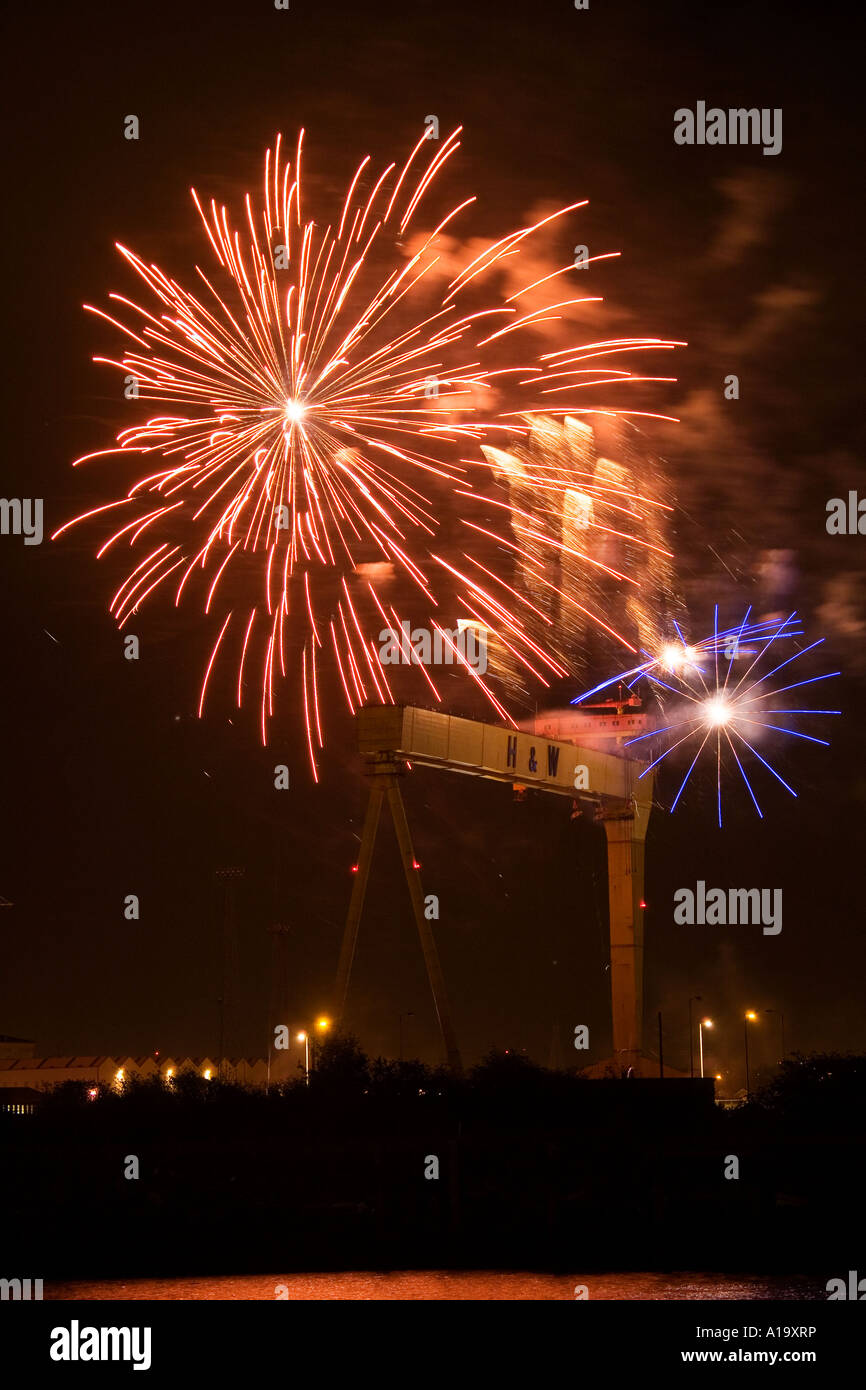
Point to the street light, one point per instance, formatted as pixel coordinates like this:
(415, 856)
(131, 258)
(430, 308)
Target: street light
(305, 1039)
(750, 1017)
(781, 1017)
(322, 1024)
(704, 1023)
(694, 998)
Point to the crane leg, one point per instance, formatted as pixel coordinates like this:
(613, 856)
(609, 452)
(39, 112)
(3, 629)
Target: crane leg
(625, 871)
(356, 904)
(428, 943)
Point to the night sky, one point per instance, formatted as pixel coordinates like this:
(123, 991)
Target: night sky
(112, 785)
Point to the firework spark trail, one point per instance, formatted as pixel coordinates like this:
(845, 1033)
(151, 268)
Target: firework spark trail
(714, 709)
(301, 423)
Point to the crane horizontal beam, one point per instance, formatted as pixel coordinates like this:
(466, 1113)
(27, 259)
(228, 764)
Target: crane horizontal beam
(429, 738)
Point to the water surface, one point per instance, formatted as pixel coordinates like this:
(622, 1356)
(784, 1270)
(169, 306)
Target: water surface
(483, 1285)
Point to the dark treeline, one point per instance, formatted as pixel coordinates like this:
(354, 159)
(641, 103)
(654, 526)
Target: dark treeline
(380, 1164)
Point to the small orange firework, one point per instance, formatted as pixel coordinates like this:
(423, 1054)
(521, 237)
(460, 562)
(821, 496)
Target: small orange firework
(312, 394)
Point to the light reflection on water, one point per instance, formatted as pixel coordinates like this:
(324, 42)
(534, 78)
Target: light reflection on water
(483, 1285)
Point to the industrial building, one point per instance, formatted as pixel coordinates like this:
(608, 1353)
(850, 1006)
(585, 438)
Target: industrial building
(40, 1073)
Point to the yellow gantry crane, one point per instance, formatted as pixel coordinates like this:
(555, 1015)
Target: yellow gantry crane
(391, 738)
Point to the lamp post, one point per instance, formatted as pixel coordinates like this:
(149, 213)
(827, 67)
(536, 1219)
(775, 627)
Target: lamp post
(750, 1017)
(304, 1037)
(322, 1026)
(781, 1017)
(704, 1023)
(695, 998)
